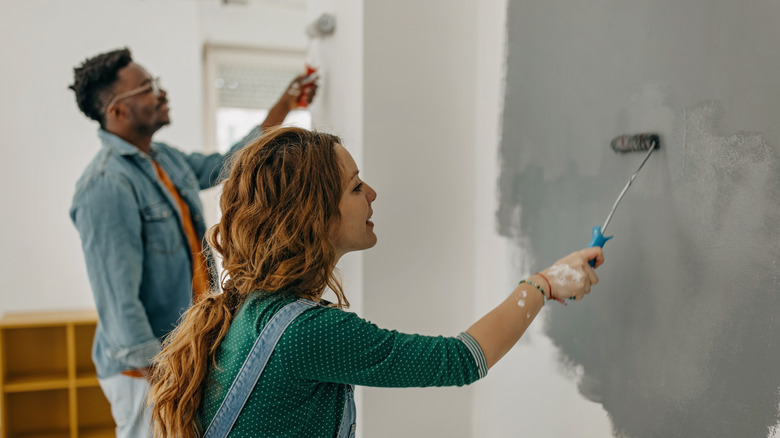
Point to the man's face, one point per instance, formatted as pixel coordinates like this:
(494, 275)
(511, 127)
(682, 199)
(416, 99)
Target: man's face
(145, 108)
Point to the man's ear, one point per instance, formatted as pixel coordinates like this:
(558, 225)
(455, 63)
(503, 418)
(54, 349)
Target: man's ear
(115, 112)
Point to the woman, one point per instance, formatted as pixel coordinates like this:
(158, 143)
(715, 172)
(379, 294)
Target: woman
(292, 205)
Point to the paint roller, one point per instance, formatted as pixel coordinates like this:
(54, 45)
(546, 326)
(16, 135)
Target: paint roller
(323, 26)
(625, 144)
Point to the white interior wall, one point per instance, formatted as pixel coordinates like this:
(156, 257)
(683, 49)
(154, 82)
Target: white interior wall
(47, 142)
(419, 113)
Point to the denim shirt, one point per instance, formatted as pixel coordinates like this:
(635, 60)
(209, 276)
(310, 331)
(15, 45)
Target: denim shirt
(137, 255)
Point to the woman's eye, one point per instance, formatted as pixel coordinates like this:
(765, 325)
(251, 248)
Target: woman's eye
(358, 188)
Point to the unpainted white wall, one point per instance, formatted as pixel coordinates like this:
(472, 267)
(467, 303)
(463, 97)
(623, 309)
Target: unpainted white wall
(47, 142)
(419, 123)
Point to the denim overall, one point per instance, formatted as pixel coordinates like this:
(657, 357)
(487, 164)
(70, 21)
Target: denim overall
(253, 367)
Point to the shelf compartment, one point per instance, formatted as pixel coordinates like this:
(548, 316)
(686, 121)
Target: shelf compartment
(37, 353)
(94, 413)
(38, 414)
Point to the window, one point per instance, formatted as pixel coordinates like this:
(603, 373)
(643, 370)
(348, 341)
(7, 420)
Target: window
(242, 84)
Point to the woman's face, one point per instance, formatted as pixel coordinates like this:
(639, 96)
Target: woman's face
(354, 231)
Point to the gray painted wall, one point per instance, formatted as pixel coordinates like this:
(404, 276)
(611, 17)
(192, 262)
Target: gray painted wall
(682, 336)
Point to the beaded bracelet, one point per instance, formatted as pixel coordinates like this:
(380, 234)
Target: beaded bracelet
(525, 280)
(560, 300)
(549, 285)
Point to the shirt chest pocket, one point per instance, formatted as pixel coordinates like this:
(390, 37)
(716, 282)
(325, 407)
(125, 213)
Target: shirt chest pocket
(161, 233)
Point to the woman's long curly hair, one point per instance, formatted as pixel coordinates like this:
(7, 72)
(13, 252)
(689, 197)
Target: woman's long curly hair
(278, 204)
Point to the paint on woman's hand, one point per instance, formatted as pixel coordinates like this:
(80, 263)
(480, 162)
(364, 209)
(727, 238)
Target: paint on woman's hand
(563, 274)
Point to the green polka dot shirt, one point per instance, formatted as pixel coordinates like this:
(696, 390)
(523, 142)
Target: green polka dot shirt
(302, 390)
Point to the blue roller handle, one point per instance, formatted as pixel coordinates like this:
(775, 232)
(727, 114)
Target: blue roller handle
(599, 240)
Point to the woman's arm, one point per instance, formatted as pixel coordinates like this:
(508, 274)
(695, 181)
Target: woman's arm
(571, 277)
(500, 329)
(330, 345)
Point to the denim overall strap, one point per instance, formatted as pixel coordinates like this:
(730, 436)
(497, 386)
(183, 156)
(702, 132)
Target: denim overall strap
(252, 368)
(347, 427)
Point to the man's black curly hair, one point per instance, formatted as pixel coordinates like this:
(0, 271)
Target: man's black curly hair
(93, 80)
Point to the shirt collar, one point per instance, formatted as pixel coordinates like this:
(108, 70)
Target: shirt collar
(120, 145)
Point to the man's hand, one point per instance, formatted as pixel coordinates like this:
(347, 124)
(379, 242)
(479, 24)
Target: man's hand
(304, 87)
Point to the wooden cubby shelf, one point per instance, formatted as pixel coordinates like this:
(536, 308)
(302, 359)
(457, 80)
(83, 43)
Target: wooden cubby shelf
(48, 384)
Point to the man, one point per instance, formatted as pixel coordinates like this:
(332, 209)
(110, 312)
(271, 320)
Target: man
(137, 210)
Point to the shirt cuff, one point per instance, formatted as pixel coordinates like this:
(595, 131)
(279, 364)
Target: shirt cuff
(476, 352)
(137, 356)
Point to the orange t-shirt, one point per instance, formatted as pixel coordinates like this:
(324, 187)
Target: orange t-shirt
(200, 270)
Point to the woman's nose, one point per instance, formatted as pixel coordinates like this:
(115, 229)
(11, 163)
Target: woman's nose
(371, 194)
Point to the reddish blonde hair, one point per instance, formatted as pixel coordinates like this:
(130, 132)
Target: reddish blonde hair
(278, 206)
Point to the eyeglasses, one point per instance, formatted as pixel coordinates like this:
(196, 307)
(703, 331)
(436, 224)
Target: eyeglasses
(153, 86)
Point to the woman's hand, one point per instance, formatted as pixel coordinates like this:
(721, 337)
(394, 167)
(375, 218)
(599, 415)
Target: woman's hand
(571, 277)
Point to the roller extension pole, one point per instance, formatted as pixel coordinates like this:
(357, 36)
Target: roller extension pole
(624, 143)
